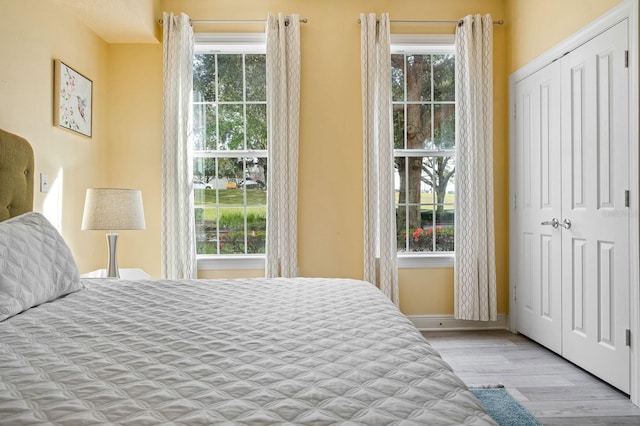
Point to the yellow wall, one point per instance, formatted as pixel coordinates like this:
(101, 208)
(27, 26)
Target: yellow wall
(135, 145)
(33, 33)
(534, 27)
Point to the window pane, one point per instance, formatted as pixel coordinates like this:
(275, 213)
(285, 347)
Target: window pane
(204, 205)
(438, 172)
(256, 177)
(230, 169)
(444, 126)
(256, 231)
(422, 236)
(256, 77)
(204, 78)
(231, 124)
(199, 126)
(419, 127)
(256, 201)
(402, 236)
(230, 74)
(409, 193)
(419, 78)
(444, 228)
(232, 230)
(401, 211)
(397, 77)
(257, 126)
(204, 127)
(206, 229)
(398, 126)
(204, 173)
(444, 78)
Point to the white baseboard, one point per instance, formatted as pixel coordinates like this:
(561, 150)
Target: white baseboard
(448, 322)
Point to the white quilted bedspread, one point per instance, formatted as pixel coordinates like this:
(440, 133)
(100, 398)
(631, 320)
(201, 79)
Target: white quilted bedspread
(282, 351)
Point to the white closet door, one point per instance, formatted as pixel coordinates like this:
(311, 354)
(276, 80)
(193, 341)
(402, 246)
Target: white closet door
(595, 176)
(539, 203)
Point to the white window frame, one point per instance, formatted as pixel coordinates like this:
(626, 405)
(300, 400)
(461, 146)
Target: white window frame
(231, 43)
(423, 44)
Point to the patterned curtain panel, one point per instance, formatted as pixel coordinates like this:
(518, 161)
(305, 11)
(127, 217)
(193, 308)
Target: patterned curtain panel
(283, 117)
(475, 272)
(178, 227)
(380, 246)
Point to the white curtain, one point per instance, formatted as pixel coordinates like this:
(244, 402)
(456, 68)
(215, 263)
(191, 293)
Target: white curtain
(380, 245)
(178, 236)
(475, 272)
(283, 117)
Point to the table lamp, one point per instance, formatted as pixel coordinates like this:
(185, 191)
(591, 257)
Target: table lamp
(113, 209)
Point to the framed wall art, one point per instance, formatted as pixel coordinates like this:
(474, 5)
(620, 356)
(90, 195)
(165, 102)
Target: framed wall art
(72, 99)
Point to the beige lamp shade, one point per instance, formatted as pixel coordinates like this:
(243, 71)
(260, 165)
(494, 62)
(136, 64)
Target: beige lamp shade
(113, 209)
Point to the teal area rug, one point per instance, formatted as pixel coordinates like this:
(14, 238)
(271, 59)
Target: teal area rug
(503, 408)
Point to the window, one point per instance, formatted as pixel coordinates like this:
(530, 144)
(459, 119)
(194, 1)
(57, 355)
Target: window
(423, 97)
(230, 145)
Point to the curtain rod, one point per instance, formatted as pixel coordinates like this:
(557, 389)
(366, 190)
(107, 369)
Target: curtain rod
(458, 22)
(235, 21)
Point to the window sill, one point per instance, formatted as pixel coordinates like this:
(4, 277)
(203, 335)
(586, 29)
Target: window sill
(214, 262)
(240, 262)
(416, 261)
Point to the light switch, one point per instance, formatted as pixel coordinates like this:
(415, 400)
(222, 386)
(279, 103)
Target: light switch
(44, 182)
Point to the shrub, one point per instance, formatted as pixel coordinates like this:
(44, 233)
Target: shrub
(231, 220)
(231, 232)
(233, 242)
(421, 239)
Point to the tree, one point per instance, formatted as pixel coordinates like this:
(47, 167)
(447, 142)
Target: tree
(223, 116)
(426, 80)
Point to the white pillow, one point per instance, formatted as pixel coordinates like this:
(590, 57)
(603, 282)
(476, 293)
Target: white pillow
(36, 265)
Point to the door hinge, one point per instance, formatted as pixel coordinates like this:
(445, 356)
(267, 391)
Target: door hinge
(627, 337)
(626, 198)
(626, 59)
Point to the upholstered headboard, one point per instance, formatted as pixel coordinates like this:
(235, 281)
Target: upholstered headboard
(16, 175)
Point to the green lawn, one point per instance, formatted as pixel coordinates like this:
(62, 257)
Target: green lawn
(210, 213)
(231, 202)
(230, 197)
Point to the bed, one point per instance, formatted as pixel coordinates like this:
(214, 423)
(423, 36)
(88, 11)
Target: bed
(252, 351)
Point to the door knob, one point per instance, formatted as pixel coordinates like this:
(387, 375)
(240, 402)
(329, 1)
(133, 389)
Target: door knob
(553, 222)
(566, 224)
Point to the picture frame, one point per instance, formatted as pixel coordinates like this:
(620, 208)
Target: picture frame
(72, 100)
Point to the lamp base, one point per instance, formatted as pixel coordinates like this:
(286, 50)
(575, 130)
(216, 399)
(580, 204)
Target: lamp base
(112, 261)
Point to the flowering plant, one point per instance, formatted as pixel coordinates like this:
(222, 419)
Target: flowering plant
(421, 239)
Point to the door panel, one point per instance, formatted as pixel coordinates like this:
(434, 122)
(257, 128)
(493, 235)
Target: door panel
(595, 249)
(538, 156)
(578, 286)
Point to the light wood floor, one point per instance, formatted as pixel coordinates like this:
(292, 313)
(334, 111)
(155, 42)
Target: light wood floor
(551, 388)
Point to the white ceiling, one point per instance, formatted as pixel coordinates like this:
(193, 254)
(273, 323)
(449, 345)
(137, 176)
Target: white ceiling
(118, 21)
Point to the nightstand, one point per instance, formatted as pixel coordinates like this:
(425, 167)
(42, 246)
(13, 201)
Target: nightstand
(125, 274)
